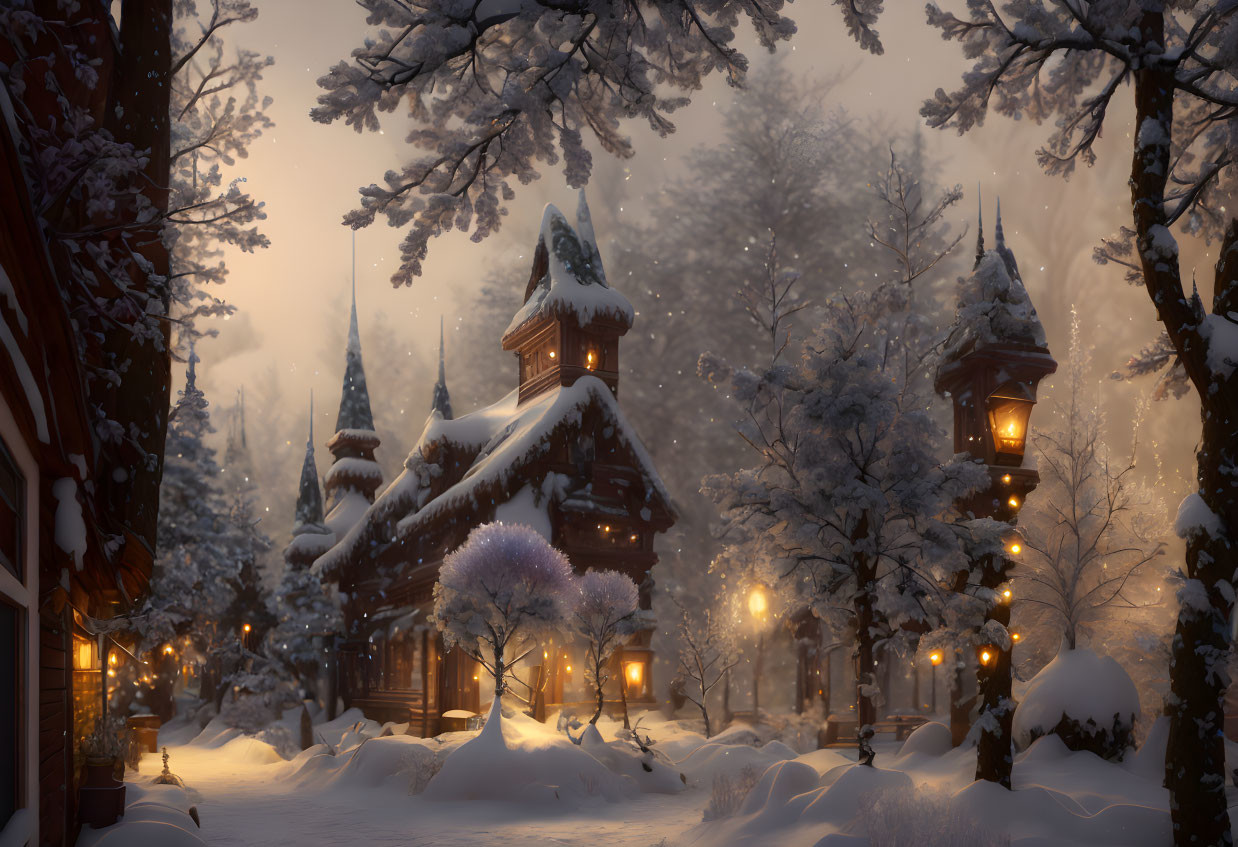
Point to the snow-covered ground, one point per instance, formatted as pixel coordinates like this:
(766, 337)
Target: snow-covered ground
(359, 787)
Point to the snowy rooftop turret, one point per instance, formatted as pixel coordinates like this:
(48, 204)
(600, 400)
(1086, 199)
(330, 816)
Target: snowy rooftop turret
(568, 279)
(994, 307)
(441, 402)
(310, 536)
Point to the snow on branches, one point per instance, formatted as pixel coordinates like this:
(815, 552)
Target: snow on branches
(500, 89)
(504, 587)
(604, 616)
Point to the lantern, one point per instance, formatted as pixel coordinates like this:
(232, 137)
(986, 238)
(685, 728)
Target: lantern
(1009, 408)
(986, 653)
(935, 658)
(83, 654)
(635, 664)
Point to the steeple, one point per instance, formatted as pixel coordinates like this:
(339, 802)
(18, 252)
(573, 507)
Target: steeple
(310, 535)
(979, 228)
(354, 476)
(355, 397)
(441, 402)
(1002, 250)
(309, 497)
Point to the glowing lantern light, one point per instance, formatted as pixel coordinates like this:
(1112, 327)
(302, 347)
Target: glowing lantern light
(1016, 548)
(935, 657)
(634, 673)
(1014, 636)
(167, 648)
(1009, 408)
(758, 604)
(1013, 502)
(1005, 479)
(246, 628)
(1007, 594)
(591, 360)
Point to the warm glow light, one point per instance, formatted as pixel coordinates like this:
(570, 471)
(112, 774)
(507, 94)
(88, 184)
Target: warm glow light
(757, 604)
(1013, 502)
(635, 673)
(474, 677)
(569, 668)
(167, 648)
(245, 628)
(84, 660)
(985, 657)
(1016, 548)
(591, 360)
(111, 672)
(545, 654)
(1006, 479)
(1009, 409)
(1007, 594)
(1014, 636)
(111, 660)
(935, 657)
(552, 354)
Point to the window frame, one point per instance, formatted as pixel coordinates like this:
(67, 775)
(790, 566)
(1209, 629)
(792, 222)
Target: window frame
(23, 827)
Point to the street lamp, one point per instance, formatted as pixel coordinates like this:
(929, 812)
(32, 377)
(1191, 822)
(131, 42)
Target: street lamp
(995, 359)
(758, 606)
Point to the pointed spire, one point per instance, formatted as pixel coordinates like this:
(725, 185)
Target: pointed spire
(191, 374)
(979, 228)
(441, 402)
(355, 398)
(309, 497)
(1012, 267)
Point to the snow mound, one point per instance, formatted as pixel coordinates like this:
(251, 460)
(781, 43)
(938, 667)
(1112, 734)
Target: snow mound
(1149, 760)
(149, 834)
(509, 761)
(931, 739)
(713, 759)
(1079, 687)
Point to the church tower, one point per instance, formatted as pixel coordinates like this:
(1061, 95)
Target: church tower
(571, 320)
(354, 476)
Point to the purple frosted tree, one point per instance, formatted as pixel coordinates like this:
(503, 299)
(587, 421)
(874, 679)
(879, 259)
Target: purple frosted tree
(606, 614)
(500, 591)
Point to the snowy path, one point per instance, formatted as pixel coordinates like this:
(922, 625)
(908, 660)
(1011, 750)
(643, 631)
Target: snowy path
(247, 805)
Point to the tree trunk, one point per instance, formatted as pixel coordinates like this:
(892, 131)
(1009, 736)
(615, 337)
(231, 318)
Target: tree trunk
(1195, 754)
(756, 677)
(727, 715)
(960, 708)
(865, 709)
(994, 753)
(597, 681)
(498, 671)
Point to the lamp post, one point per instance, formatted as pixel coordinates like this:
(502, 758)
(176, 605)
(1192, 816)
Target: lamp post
(758, 606)
(992, 376)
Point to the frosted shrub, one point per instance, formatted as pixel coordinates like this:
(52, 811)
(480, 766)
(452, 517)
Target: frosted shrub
(605, 615)
(500, 591)
(729, 793)
(899, 817)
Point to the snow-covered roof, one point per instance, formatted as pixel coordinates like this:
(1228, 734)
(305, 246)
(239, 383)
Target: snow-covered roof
(994, 308)
(574, 283)
(346, 513)
(526, 437)
(499, 442)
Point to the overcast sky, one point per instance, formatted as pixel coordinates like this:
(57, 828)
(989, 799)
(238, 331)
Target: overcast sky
(291, 297)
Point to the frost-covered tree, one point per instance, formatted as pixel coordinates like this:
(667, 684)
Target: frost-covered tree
(1090, 534)
(499, 89)
(498, 593)
(846, 500)
(705, 657)
(604, 616)
(1067, 62)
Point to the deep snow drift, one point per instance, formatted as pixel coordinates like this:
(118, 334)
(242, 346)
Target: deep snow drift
(519, 782)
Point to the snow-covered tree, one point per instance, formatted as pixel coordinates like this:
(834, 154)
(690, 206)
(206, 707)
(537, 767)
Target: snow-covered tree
(498, 90)
(846, 501)
(706, 655)
(498, 593)
(1090, 534)
(1066, 62)
(604, 616)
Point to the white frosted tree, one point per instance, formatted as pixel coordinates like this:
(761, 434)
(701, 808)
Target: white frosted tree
(499, 593)
(847, 500)
(605, 614)
(1071, 63)
(1090, 534)
(706, 653)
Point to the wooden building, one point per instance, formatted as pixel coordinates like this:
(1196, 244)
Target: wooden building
(557, 454)
(79, 454)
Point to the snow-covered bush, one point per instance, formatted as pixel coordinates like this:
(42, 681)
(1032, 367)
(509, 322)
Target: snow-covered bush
(897, 817)
(605, 615)
(504, 587)
(1087, 700)
(729, 793)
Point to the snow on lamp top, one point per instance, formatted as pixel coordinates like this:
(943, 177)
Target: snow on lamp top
(573, 283)
(994, 309)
